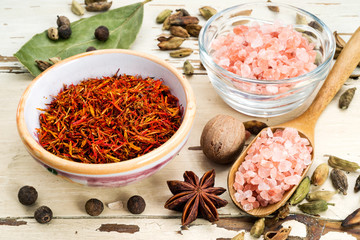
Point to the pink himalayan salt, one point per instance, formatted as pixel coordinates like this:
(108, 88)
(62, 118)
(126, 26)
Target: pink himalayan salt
(273, 164)
(266, 52)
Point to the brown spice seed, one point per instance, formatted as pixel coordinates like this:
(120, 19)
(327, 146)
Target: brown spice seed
(136, 204)
(193, 29)
(98, 6)
(179, 32)
(94, 207)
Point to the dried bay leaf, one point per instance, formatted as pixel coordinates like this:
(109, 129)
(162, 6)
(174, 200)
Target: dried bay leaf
(123, 23)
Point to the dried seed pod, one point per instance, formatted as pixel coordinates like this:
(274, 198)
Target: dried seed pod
(346, 98)
(42, 65)
(340, 42)
(320, 174)
(188, 68)
(98, 6)
(183, 20)
(193, 29)
(207, 12)
(352, 220)
(101, 33)
(240, 236)
(163, 15)
(171, 43)
(184, 52)
(258, 228)
(301, 191)
(320, 195)
(77, 9)
(357, 184)
(183, 11)
(87, 2)
(281, 234)
(62, 20)
(166, 24)
(55, 59)
(273, 8)
(254, 127)
(339, 180)
(64, 31)
(53, 33)
(343, 164)
(179, 31)
(314, 207)
(316, 26)
(301, 19)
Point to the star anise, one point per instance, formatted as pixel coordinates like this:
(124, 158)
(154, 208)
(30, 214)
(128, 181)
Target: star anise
(194, 197)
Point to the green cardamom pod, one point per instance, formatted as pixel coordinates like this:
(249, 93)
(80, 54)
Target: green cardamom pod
(339, 180)
(163, 15)
(320, 174)
(343, 164)
(193, 29)
(53, 33)
(357, 184)
(87, 2)
(320, 195)
(258, 228)
(184, 52)
(98, 6)
(55, 59)
(77, 9)
(314, 207)
(346, 98)
(273, 8)
(166, 24)
(171, 43)
(301, 191)
(300, 19)
(188, 68)
(179, 31)
(183, 11)
(240, 236)
(207, 12)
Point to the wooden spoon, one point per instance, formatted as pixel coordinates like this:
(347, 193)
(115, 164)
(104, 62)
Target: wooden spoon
(305, 123)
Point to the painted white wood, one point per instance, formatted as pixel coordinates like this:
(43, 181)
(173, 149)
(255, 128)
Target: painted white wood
(337, 133)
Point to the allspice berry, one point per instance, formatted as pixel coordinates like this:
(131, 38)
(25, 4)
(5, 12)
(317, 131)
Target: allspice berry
(27, 195)
(94, 207)
(64, 31)
(102, 33)
(43, 214)
(91, 48)
(222, 139)
(62, 20)
(136, 204)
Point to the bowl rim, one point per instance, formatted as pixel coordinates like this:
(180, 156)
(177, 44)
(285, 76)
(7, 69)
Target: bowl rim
(158, 154)
(225, 72)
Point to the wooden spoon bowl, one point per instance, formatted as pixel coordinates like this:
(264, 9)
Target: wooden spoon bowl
(305, 123)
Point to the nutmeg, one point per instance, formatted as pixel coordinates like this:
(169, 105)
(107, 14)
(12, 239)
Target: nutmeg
(222, 139)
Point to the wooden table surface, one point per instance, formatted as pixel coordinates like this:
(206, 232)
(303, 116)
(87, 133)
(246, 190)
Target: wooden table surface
(337, 133)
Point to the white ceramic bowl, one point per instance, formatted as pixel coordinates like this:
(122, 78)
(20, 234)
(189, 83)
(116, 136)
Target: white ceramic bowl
(98, 64)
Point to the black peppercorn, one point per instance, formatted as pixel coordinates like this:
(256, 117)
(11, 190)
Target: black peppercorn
(94, 207)
(102, 33)
(64, 31)
(136, 204)
(27, 195)
(43, 214)
(90, 49)
(62, 20)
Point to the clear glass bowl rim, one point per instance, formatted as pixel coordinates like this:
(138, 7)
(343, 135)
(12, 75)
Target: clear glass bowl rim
(304, 77)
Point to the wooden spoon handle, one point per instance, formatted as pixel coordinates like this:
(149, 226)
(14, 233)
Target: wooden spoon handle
(342, 69)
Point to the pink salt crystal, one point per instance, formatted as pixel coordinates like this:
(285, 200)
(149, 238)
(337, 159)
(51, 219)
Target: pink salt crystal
(272, 166)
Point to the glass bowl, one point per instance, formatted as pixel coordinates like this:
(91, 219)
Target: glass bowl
(241, 93)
